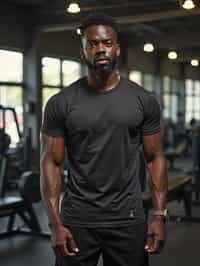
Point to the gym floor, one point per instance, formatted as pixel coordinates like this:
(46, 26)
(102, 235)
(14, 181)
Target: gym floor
(182, 246)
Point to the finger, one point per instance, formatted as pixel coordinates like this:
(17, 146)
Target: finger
(149, 242)
(72, 245)
(157, 246)
(65, 250)
(152, 245)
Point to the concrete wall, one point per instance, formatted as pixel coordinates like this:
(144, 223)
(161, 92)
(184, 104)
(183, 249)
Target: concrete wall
(61, 44)
(15, 27)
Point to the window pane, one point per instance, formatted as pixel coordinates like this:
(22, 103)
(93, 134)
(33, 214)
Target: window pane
(11, 66)
(166, 108)
(189, 103)
(197, 88)
(189, 87)
(149, 82)
(175, 86)
(188, 116)
(47, 93)
(166, 84)
(11, 96)
(196, 106)
(136, 76)
(51, 71)
(174, 107)
(71, 71)
(197, 115)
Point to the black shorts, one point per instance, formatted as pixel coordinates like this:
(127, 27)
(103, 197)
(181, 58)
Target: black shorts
(119, 246)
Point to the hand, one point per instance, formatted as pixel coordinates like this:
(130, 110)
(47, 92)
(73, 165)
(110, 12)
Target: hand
(156, 236)
(62, 241)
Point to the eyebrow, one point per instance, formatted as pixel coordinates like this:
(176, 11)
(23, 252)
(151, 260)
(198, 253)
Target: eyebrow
(99, 39)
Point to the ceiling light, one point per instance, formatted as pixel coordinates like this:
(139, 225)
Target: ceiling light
(188, 4)
(78, 31)
(194, 62)
(148, 47)
(73, 8)
(172, 55)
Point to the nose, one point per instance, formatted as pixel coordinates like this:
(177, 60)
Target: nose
(100, 48)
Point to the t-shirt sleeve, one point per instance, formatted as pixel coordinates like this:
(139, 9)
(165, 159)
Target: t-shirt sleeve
(152, 115)
(53, 119)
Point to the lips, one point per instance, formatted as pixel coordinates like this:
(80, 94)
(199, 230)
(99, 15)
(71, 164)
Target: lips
(102, 60)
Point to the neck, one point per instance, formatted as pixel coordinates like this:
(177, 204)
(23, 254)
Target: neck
(103, 83)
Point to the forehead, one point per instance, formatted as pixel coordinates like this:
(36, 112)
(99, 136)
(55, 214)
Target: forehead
(99, 32)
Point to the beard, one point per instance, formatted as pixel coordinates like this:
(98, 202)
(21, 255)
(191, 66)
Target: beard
(102, 70)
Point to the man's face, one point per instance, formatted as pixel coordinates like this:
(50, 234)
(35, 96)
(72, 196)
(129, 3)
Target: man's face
(100, 49)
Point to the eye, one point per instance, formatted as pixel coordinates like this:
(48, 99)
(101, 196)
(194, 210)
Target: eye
(92, 44)
(108, 43)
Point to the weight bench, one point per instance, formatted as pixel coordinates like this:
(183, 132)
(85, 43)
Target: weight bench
(179, 188)
(172, 153)
(22, 206)
(11, 207)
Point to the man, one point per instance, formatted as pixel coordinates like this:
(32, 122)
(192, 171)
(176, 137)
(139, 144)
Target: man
(102, 119)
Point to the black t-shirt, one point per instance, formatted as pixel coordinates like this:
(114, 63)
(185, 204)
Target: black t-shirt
(103, 135)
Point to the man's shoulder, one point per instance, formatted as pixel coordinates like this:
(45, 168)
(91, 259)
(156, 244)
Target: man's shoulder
(134, 87)
(63, 96)
(74, 86)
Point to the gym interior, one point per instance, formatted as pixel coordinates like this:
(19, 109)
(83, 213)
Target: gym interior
(40, 55)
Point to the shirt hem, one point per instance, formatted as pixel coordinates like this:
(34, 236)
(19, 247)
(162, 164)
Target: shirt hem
(151, 132)
(105, 224)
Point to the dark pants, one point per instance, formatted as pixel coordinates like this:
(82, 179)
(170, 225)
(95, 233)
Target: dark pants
(120, 246)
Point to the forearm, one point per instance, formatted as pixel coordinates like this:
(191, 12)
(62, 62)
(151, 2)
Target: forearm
(50, 190)
(158, 182)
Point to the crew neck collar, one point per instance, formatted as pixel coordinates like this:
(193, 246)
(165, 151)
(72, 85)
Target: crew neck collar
(85, 82)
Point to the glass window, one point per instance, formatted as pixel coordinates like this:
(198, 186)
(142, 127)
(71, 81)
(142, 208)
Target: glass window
(11, 66)
(197, 103)
(71, 71)
(136, 76)
(149, 82)
(166, 84)
(189, 116)
(51, 71)
(166, 108)
(197, 88)
(189, 87)
(197, 115)
(189, 103)
(171, 98)
(11, 96)
(192, 100)
(174, 107)
(57, 74)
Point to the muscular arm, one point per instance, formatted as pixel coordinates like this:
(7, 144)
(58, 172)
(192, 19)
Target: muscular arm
(157, 169)
(158, 185)
(52, 154)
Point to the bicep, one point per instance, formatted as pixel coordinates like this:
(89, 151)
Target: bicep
(52, 149)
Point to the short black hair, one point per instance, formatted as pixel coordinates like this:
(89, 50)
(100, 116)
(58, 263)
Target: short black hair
(98, 19)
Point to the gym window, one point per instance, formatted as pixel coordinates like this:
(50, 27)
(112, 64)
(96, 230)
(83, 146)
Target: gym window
(56, 74)
(11, 92)
(173, 98)
(136, 76)
(192, 99)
